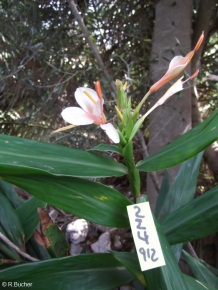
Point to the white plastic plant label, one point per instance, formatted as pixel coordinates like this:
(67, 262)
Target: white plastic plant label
(145, 236)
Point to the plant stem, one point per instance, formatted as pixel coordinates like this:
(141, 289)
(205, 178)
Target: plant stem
(133, 172)
(13, 246)
(142, 102)
(145, 155)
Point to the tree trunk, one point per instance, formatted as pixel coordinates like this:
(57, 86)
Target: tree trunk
(172, 36)
(204, 22)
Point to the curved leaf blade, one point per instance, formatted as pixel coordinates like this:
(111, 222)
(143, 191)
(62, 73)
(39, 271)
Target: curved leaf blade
(195, 284)
(165, 186)
(201, 272)
(164, 277)
(184, 147)
(11, 227)
(106, 148)
(194, 220)
(10, 193)
(84, 198)
(10, 222)
(182, 190)
(131, 262)
(87, 272)
(28, 215)
(21, 156)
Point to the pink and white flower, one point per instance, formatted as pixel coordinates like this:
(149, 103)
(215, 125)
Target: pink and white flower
(176, 66)
(90, 111)
(175, 88)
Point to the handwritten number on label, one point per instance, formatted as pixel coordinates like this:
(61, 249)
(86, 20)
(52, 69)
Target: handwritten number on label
(149, 253)
(138, 210)
(139, 225)
(143, 238)
(153, 255)
(146, 254)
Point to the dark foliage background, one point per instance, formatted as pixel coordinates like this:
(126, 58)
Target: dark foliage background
(44, 57)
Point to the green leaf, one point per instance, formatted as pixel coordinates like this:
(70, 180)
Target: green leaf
(183, 147)
(162, 277)
(10, 227)
(168, 277)
(165, 186)
(84, 272)
(106, 148)
(131, 262)
(87, 199)
(10, 222)
(177, 250)
(182, 190)
(210, 268)
(195, 284)
(194, 220)
(201, 272)
(36, 249)
(6, 251)
(136, 128)
(27, 213)
(58, 246)
(21, 156)
(10, 193)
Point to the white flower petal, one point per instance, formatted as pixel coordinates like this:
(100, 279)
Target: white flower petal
(76, 116)
(175, 88)
(111, 132)
(98, 109)
(176, 61)
(86, 101)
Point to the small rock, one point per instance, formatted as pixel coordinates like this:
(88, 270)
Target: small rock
(117, 243)
(76, 231)
(53, 214)
(75, 249)
(103, 244)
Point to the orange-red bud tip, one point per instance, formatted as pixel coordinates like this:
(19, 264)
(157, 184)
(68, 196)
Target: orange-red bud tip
(200, 40)
(98, 89)
(195, 74)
